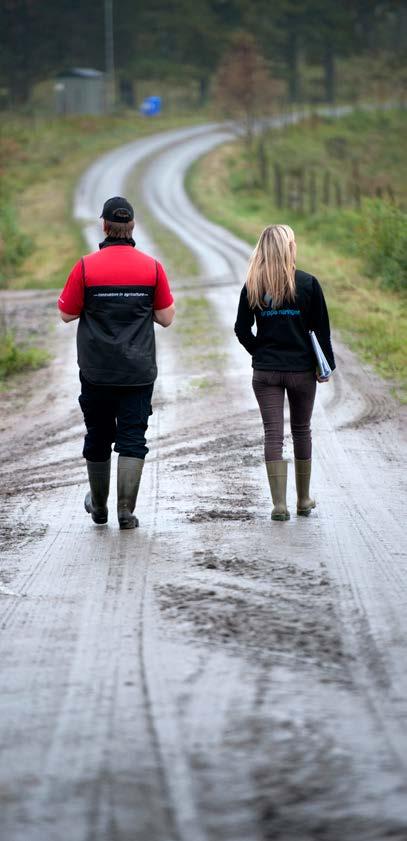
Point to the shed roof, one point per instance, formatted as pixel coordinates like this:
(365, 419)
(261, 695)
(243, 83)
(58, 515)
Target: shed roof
(81, 73)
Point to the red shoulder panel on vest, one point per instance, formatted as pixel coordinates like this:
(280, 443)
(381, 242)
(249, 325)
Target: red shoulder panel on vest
(121, 266)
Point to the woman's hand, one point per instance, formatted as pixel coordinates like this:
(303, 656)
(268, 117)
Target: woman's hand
(321, 379)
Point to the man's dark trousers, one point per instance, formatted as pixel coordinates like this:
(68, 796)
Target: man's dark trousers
(115, 414)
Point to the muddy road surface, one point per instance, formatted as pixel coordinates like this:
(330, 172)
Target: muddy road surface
(212, 676)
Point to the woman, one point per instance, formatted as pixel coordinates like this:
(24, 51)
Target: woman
(286, 303)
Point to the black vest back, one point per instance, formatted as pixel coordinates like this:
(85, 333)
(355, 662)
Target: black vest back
(115, 339)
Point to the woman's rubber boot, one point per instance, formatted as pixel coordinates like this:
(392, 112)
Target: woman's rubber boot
(129, 472)
(96, 498)
(277, 476)
(302, 480)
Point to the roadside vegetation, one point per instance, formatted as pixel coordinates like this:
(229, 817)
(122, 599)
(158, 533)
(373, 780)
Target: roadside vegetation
(41, 160)
(197, 327)
(215, 56)
(15, 358)
(342, 186)
(179, 259)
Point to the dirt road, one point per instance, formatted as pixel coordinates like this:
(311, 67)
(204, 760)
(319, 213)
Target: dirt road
(213, 676)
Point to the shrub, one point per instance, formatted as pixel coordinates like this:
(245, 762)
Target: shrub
(340, 228)
(14, 244)
(14, 359)
(383, 238)
(377, 233)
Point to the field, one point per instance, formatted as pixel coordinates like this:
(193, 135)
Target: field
(40, 163)
(41, 160)
(342, 187)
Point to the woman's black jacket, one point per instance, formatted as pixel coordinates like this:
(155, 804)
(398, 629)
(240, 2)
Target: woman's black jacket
(282, 342)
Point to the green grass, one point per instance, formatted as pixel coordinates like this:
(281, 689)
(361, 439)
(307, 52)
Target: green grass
(196, 327)
(367, 142)
(202, 383)
(196, 323)
(41, 160)
(14, 358)
(359, 199)
(345, 248)
(179, 260)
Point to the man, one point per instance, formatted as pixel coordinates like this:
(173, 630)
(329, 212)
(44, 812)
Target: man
(117, 293)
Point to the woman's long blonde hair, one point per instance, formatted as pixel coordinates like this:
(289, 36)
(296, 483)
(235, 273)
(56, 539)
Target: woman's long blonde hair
(272, 267)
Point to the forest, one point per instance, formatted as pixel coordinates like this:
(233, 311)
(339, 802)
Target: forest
(183, 42)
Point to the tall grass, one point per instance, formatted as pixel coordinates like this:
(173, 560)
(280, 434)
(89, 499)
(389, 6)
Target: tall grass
(377, 234)
(383, 238)
(348, 161)
(14, 243)
(41, 160)
(358, 253)
(15, 358)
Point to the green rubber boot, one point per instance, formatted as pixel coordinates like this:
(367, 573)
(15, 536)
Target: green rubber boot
(129, 472)
(305, 503)
(277, 476)
(96, 498)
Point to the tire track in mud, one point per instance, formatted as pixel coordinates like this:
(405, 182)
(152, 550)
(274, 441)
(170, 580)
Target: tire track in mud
(362, 642)
(52, 552)
(156, 817)
(237, 614)
(176, 763)
(367, 406)
(224, 654)
(158, 687)
(101, 794)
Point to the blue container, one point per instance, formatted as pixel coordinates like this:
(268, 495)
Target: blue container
(151, 106)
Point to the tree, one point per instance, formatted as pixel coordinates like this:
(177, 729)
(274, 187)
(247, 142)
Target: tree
(38, 39)
(281, 31)
(175, 41)
(243, 86)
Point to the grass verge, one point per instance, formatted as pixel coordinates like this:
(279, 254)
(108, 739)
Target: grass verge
(196, 326)
(179, 260)
(41, 160)
(15, 358)
(368, 310)
(40, 163)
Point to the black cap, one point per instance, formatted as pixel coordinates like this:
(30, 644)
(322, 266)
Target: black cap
(117, 209)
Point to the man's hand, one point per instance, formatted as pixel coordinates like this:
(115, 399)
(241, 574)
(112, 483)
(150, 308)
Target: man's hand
(66, 317)
(165, 316)
(322, 379)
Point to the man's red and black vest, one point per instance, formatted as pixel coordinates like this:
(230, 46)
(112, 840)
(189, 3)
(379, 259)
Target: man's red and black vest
(116, 342)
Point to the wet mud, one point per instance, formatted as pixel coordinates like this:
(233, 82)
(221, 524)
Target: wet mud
(213, 676)
(281, 611)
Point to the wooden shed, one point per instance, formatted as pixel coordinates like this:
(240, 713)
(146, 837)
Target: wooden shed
(80, 90)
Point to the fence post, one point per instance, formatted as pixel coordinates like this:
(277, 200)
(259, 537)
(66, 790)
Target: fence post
(279, 186)
(356, 184)
(301, 190)
(312, 192)
(326, 189)
(263, 164)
